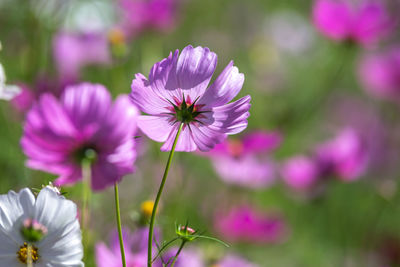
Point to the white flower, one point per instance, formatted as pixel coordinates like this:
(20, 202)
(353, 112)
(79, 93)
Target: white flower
(7, 92)
(47, 225)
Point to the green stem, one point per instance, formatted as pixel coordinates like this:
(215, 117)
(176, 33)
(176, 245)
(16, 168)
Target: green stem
(178, 252)
(86, 184)
(160, 250)
(153, 214)
(118, 215)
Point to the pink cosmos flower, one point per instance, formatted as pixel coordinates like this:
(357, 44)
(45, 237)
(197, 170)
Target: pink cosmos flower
(364, 22)
(29, 95)
(346, 155)
(188, 257)
(240, 162)
(248, 225)
(135, 245)
(24, 100)
(72, 51)
(300, 172)
(138, 15)
(59, 133)
(380, 74)
(234, 261)
(176, 92)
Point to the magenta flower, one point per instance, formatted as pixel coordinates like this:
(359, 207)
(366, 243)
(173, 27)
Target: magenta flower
(139, 15)
(72, 51)
(135, 245)
(176, 92)
(59, 133)
(346, 155)
(380, 74)
(241, 162)
(301, 173)
(234, 261)
(364, 22)
(244, 224)
(24, 100)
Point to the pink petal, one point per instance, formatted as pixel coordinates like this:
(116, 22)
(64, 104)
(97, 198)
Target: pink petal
(157, 128)
(194, 70)
(145, 98)
(231, 118)
(119, 124)
(224, 88)
(206, 138)
(86, 104)
(163, 80)
(247, 171)
(333, 18)
(300, 172)
(257, 142)
(371, 23)
(185, 141)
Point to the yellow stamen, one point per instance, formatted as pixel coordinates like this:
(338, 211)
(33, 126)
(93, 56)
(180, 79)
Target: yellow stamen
(25, 251)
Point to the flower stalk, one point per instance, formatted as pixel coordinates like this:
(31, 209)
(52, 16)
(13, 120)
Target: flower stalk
(157, 200)
(118, 216)
(178, 252)
(86, 184)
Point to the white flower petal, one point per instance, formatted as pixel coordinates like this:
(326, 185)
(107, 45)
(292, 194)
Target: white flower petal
(54, 211)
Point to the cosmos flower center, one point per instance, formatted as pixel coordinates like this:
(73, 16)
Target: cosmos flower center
(85, 152)
(185, 110)
(235, 148)
(33, 231)
(27, 252)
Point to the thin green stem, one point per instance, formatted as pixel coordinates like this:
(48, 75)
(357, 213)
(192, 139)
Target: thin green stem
(178, 252)
(153, 214)
(161, 249)
(86, 184)
(118, 215)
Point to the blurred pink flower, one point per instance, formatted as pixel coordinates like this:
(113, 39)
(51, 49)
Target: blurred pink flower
(24, 100)
(240, 162)
(380, 74)
(245, 224)
(364, 22)
(59, 133)
(234, 261)
(31, 94)
(346, 155)
(176, 92)
(73, 51)
(139, 15)
(300, 172)
(187, 258)
(135, 245)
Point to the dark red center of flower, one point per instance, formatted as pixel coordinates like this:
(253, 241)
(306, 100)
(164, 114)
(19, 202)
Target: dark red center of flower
(185, 110)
